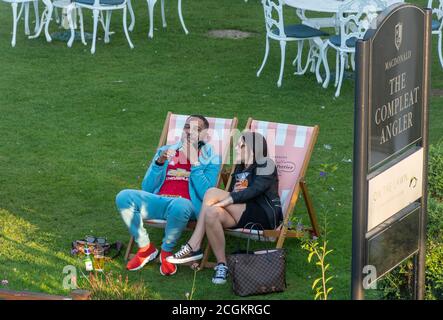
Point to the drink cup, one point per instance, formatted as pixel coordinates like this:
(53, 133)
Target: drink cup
(99, 259)
(241, 178)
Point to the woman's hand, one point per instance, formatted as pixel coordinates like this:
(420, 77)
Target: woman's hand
(239, 186)
(224, 203)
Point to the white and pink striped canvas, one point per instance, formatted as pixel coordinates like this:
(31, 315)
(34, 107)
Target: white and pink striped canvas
(218, 134)
(288, 146)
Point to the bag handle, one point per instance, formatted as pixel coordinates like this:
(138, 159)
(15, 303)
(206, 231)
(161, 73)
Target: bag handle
(255, 224)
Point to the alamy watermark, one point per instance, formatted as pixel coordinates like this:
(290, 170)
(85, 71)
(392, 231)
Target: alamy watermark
(70, 280)
(370, 280)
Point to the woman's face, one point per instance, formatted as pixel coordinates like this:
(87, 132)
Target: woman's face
(243, 152)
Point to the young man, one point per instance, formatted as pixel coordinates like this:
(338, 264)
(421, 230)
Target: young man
(172, 190)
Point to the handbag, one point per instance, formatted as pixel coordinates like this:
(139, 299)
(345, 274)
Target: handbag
(257, 272)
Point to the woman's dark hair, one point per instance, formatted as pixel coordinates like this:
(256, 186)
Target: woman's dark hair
(202, 118)
(257, 143)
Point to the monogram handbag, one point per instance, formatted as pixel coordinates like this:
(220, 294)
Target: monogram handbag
(259, 271)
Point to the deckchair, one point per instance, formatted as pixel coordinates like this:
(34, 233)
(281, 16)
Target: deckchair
(290, 146)
(219, 136)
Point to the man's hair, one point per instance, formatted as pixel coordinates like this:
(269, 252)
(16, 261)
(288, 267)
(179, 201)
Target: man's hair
(202, 118)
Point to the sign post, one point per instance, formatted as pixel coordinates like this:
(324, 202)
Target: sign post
(391, 147)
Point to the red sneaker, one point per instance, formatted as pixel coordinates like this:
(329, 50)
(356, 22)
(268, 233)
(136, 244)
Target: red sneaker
(142, 257)
(167, 268)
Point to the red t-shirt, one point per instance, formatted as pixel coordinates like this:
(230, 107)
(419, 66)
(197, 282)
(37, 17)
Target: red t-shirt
(177, 177)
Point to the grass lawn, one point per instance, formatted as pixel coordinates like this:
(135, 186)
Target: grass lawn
(77, 128)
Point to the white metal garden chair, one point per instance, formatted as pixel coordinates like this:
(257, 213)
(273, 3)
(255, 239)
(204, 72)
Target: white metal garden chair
(277, 30)
(16, 16)
(437, 25)
(354, 18)
(151, 5)
(98, 6)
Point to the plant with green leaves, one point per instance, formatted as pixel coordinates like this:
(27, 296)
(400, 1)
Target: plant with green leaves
(106, 286)
(318, 249)
(190, 295)
(436, 171)
(319, 252)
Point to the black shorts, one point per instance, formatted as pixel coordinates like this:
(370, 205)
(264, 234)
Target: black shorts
(255, 214)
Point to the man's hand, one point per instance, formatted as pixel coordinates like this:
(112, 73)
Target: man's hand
(224, 203)
(165, 155)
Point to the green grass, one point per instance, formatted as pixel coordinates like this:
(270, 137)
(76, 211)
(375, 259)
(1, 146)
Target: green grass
(75, 129)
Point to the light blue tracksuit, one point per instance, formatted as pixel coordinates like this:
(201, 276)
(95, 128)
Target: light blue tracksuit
(136, 205)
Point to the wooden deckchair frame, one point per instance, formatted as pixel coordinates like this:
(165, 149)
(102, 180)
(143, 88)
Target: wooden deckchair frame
(283, 232)
(162, 142)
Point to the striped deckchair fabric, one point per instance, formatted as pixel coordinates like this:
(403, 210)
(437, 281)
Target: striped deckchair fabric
(290, 146)
(219, 133)
(219, 136)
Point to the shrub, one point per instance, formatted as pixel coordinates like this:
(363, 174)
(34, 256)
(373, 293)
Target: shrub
(435, 220)
(434, 271)
(398, 284)
(435, 174)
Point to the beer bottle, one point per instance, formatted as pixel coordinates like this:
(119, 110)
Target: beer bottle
(87, 260)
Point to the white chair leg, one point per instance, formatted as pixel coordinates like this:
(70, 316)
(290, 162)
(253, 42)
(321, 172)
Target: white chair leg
(27, 31)
(440, 49)
(151, 5)
(131, 12)
(108, 22)
(69, 11)
(82, 27)
(50, 8)
(163, 13)
(37, 16)
(14, 23)
(318, 64)
(125, 27)
(282, 64)
(324, 60)
(265, 58)
(297, 60)
(101, 18)
(337, 68)
(181, 16)
(41, 23)
(57, 17)
(342, 71)
(314, 52)
(95, 14)
(353, 61)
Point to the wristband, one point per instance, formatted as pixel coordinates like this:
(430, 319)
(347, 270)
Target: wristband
(158, 163)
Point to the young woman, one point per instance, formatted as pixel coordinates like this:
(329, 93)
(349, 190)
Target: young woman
(253, 197)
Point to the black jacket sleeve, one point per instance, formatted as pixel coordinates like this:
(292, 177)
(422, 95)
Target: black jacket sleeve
(260, 185)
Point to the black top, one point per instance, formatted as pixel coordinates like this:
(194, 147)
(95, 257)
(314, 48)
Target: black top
(262, 189)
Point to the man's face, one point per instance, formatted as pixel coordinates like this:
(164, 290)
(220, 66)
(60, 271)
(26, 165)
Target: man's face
(194, 130)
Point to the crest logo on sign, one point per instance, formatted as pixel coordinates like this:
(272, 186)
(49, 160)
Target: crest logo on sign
(398, 35)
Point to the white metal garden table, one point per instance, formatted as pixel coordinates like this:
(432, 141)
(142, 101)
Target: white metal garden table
(321, 6)
(327, 6)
